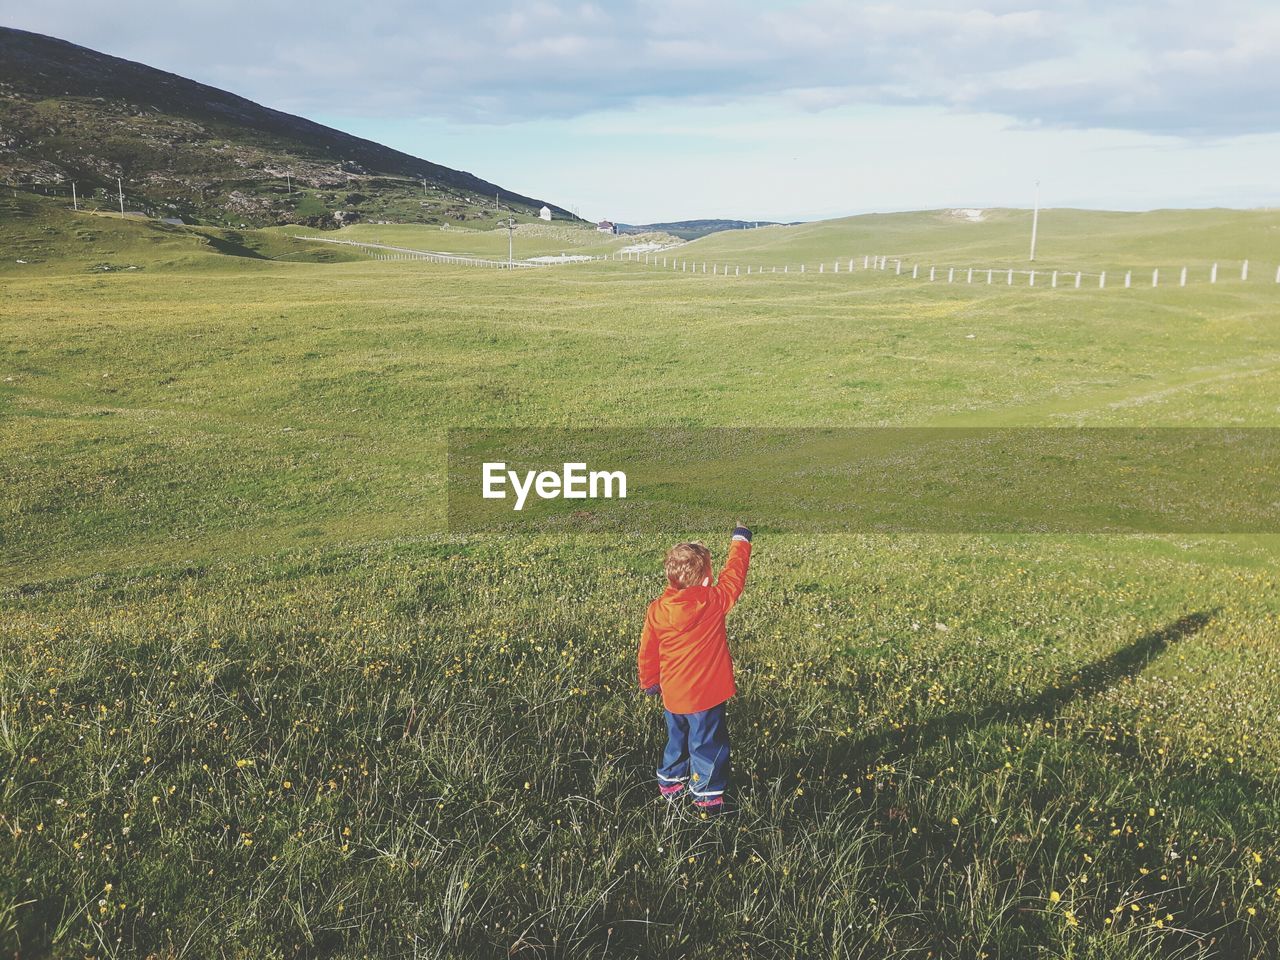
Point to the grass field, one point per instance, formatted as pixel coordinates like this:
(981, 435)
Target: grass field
(1089, 240)
(530, 239)
(256, 700)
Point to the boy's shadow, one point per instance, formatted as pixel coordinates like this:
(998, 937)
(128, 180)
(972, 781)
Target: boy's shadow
(844, 756)
(1084, 684)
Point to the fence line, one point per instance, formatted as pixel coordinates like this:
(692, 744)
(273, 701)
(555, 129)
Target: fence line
(943, 274)
(870, 262)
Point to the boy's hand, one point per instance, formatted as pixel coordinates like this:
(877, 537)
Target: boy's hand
(653, 691)
(741, 531)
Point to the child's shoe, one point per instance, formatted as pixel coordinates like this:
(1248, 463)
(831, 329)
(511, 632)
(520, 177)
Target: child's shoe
(711, 807)
(670, 791)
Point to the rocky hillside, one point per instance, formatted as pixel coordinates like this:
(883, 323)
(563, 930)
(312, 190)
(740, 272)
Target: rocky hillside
(188, 150)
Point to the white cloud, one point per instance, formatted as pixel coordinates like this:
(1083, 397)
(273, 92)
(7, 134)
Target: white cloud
(1171, 67)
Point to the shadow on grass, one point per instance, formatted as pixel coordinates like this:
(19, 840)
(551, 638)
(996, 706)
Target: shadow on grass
(232, 244)
(1182, 784)
(1084, 684)
(854, 755)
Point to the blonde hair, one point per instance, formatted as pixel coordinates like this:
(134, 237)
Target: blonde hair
(687, 564)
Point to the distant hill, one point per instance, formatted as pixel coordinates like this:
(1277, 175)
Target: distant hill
(189, 150)
(994, 237)
(692, 229)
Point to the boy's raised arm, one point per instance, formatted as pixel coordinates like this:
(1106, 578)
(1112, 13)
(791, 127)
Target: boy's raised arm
(733, 577)
(648, 659)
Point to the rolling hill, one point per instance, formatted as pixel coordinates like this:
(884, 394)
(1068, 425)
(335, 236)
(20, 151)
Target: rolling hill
(184, 149)
(1068, 238)
(692, 229)
(256, 684)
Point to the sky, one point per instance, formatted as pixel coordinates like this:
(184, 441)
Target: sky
(653, 110)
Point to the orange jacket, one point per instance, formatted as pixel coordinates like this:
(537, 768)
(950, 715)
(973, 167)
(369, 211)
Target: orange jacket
(684, 647)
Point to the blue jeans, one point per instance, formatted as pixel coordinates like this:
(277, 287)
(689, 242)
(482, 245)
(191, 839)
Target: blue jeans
(697, 752)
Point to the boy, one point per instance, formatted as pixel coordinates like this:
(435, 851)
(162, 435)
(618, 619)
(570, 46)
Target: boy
(684, 655)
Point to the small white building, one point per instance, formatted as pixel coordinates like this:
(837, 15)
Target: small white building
(606, 226)
(545, 213)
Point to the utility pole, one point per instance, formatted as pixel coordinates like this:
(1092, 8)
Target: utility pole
(510, 224)
(1035, 222)
(120, 189)
(424, 186)
(75, 203)
(288, 178)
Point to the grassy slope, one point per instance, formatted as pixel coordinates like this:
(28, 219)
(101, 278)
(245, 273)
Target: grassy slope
(531, 239)
(50, 240)
(474, 773)
(1068, 239)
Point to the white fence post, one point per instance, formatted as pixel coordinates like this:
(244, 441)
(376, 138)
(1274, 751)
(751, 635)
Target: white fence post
(1102, 280)
(1128, 279)
(1054, 281)
(822, 268)
(786, 268)
(802, 268)
(1031, 279)
(737, 271)
(931, 272)
(970, 280)
(851, 264)
(1079, 275)
(1244, 270)
(835, 267)
(989, 272)
(1011, 276)
(915, 272)
(1182, 278)
(866, 262)
(1155, 277)
(897, 268)
(951, 274)
(1213, 274)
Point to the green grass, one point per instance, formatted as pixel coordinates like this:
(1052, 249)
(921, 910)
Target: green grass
(530, 240)
(42, 238)
(225, 570)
